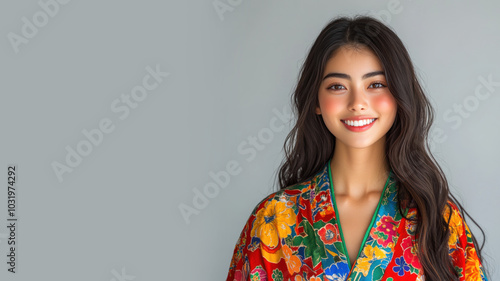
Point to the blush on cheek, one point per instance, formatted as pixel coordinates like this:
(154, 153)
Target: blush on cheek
(332, 105)
(385, 103)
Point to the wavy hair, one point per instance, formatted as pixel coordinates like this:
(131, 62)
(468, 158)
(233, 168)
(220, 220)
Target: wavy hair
(421, 182)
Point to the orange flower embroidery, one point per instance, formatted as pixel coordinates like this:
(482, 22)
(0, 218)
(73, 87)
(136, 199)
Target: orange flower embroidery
(472, 265)
(292, 262)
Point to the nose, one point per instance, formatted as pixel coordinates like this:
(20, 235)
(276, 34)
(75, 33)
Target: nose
(357, 101)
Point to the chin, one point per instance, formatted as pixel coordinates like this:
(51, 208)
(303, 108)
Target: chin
(357, 144)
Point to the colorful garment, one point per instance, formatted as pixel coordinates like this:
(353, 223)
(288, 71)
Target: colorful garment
(294, 234)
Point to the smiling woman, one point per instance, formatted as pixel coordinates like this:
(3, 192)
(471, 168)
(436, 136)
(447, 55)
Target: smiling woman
(357, 99)
(361, 197)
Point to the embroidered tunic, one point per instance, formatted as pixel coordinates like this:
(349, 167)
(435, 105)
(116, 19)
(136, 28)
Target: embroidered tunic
(294, 234)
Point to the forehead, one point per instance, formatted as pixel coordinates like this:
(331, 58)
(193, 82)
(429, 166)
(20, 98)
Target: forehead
(349, 59)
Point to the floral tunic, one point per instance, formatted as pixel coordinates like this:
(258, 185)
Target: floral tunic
(294, 234)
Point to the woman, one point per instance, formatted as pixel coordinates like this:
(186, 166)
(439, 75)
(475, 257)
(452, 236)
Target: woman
(361, 196)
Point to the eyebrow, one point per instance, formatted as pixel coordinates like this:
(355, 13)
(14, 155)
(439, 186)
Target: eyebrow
(348, 77)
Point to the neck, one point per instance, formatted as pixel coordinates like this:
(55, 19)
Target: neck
(358, 171)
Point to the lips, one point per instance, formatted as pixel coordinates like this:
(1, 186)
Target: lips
(359, 124)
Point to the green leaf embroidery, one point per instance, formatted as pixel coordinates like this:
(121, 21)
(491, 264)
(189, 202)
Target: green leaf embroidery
(277, 275)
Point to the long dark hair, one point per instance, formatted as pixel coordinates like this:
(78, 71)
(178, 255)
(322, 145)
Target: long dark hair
(421, 182)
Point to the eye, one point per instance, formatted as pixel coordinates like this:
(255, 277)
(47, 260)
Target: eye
(377, 85)
(336, 87)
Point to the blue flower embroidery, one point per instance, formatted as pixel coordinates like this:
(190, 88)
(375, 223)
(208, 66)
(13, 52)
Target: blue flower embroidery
(402, 266)
(337, 271)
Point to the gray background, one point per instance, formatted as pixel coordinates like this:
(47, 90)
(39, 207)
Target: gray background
(230, 73)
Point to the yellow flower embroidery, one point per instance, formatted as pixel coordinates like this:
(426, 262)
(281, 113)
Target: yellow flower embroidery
(274, 256)
(363, 266)
(271, 224)
(374, 252)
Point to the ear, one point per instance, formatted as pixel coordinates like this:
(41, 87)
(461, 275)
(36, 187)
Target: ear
(318, 110)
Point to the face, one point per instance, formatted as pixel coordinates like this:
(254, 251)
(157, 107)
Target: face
(354, 87)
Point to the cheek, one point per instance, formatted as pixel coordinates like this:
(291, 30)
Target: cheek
(385, 103)
(331, 105)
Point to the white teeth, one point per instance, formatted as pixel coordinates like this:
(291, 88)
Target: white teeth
(358, 123)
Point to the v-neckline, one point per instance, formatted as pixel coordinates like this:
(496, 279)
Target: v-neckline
(337, 219)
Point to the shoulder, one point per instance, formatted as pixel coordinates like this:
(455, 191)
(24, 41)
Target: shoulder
(460, 234)
(288, 197)
(304, 192)
(272, 218)
(453, 217)
(452, 213)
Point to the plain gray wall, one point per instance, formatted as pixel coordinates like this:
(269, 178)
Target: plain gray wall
(232, 66)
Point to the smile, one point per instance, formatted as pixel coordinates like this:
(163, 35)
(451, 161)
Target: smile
(359, 125)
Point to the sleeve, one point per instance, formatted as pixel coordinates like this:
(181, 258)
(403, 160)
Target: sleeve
(258, 253)
(238, 269)
(245, 258)
(462, 249)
